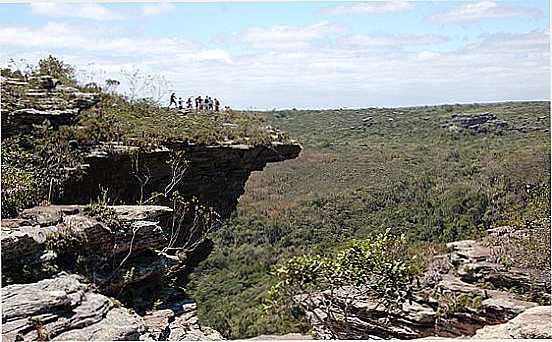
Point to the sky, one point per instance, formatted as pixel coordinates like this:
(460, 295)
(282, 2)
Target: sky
(276, 55)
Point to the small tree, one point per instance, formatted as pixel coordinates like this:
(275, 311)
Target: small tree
(52, 66)
(327, 287)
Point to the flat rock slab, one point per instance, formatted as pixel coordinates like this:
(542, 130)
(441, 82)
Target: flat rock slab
(534, 323)
(64, 308)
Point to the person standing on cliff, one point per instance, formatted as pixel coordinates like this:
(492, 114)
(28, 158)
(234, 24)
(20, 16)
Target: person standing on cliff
(189, 103)
(173, 100)
(217, 105)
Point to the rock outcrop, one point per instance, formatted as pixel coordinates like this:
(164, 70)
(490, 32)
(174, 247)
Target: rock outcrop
(178, 323)
(487, 122)
(125, 251)
(29, 102)
(216, 175)
(114, 257)
(475, 122)
(534, 323)
(463, 291)
(40, 305)
(366, 319)
(65, 308)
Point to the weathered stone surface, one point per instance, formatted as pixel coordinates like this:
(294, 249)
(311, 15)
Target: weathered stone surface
(534, 323)
(46, 101)
(64, 308)
(177, 324)
(23, 245)
(185, 327)
(102, 246)
(286, 337)
(367, 320)
(475, 262)
(216, 175)
(475, 122)
(132, 213)
(472, 290)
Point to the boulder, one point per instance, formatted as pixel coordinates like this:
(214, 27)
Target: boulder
(64, 308)
(534, 323)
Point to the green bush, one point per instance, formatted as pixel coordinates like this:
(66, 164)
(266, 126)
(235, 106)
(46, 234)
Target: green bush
(378, 265)
(100, 210)
(56, 68)
(35, 169)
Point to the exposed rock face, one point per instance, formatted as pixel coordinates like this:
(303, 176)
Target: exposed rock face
(216, 175)
(469, 289)
(38, 99)
(25, 242)
(179, 323)
(135, 251)
(368, 320)
(286, 337)
(475, 122)
(64, 308)
(534, 323)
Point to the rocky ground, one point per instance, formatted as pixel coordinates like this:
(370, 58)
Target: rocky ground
(31, 101)
(71, 275)
(466, 292)
(73, 271)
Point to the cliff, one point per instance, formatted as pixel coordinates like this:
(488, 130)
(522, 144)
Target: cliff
(216, 175)
(96, 264)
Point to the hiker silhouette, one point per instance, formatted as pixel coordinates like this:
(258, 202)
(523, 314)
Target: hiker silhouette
(173, 100)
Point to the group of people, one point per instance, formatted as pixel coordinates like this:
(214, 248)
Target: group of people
(201, 104)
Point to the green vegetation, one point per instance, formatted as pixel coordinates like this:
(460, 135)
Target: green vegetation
(105, 214)
(144, 123)
(378, 264)
(357, 176)
(450, 303)
(35, 166)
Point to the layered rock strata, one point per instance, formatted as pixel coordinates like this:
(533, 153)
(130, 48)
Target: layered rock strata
(463, 291)
(28, 102)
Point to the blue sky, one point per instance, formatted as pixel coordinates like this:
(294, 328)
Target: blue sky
(298, 54)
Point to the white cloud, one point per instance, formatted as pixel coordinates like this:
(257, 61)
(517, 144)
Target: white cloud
(374, 7)
(52, 35)
(344, 71)
(91, 11)
(391, 41)
(285, 37)
(69, 37)
(483, 10)
(427, 55)
(157, 9)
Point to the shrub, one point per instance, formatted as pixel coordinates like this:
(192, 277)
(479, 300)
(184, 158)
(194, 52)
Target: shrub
(100, 211)
(376, 267)
(35, 168)
(54, 67)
